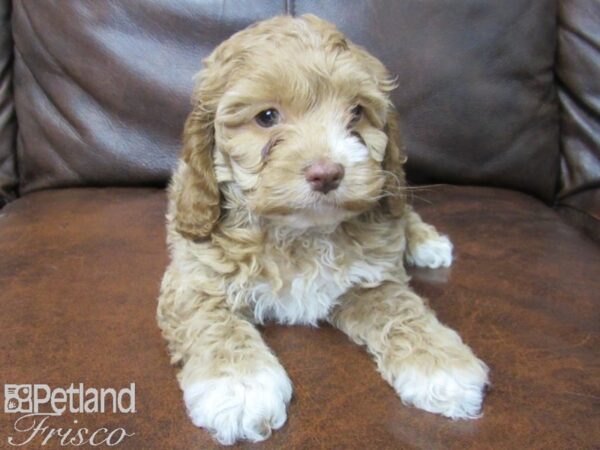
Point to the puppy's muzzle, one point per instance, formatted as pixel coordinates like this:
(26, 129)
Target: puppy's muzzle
(324, 176)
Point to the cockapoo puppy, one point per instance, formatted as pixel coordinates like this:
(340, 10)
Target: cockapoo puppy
(288, 206)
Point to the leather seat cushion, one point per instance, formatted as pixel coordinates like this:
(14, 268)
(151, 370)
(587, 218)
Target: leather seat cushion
(80, 278)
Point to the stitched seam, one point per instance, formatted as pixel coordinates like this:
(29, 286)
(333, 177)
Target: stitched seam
(289, 7)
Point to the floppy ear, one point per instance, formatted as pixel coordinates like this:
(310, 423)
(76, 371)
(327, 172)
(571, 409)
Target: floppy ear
(195, 191)
(394, 201)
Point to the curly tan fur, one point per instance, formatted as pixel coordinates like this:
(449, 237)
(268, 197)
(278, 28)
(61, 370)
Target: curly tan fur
(250, 241)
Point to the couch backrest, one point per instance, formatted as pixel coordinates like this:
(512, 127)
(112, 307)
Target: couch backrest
(102, 88)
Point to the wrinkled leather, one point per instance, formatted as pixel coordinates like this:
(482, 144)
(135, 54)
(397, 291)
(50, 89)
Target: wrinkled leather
(578, 72)
(8, 127)
(80, 275)
(103, 87)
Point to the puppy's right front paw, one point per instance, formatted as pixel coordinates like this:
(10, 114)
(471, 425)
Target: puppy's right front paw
(247, 407)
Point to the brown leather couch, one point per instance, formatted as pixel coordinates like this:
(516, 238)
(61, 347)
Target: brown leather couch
(500, 111)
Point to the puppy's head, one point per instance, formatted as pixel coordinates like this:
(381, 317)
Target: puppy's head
(296, 120)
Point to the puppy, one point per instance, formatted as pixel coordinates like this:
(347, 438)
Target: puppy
(287, 206)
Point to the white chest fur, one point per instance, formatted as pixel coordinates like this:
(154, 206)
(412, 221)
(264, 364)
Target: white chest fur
(305, 277)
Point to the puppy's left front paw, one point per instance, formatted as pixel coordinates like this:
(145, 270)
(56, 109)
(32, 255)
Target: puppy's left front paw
(455, 392)
(433, 253)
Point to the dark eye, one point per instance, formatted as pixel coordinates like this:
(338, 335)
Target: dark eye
(356, 113)
(267, 118)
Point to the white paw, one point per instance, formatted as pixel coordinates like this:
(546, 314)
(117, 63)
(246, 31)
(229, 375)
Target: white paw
(433, 253)
(240, 407)
(454, 392)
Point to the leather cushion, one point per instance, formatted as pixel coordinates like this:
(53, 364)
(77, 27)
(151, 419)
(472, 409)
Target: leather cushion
(80, 275)
(103, 88)
(476, 89)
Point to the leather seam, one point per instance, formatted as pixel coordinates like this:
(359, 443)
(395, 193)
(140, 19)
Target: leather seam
(289, 7)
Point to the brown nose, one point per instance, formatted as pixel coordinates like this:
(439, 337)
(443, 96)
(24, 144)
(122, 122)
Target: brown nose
(324, 176)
